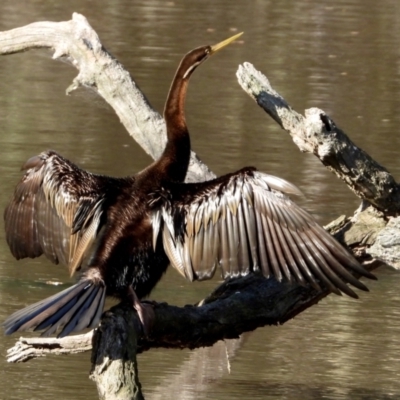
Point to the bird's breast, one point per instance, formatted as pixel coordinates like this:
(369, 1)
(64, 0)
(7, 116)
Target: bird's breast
(125, 255)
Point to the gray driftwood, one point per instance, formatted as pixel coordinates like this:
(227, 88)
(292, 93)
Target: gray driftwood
(238, 305)
(317, 133)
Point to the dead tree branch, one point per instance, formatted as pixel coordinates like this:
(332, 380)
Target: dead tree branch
(237, 306)
(114, 364)
(316, 133)
(27, 348)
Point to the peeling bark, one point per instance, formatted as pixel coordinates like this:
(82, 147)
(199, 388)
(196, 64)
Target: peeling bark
(28, 348)
(386, 247)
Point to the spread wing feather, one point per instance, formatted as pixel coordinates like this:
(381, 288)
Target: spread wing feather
(245, 222)
(56, 210)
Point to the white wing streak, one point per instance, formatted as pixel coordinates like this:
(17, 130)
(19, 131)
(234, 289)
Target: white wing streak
(243, 222)
(39, 218)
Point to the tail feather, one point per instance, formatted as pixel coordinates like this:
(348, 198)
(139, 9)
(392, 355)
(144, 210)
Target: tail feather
(83, 313)
(71, 310)
(99, 310)
(70, 319)
(28, 314)
(92, 317)
(36, 306)
(59, 307)
(65, 313)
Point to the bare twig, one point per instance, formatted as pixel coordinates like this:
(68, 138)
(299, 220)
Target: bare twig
(28, 348)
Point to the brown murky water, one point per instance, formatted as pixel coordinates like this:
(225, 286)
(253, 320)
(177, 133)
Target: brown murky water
(343, 58)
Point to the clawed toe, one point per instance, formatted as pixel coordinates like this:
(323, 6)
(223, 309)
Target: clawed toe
(145, 311)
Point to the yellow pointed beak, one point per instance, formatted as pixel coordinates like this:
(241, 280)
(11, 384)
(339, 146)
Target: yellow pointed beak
(224, 43)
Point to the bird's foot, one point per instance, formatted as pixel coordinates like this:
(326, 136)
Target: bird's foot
(145, 311)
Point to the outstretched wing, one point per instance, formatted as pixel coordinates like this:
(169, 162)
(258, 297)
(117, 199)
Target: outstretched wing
(56, 210)
(243, 222)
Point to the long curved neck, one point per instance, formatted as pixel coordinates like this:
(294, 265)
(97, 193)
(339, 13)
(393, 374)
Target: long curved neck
(176, 155)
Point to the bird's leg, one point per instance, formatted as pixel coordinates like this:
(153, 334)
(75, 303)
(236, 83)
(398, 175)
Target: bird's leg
(145, 311)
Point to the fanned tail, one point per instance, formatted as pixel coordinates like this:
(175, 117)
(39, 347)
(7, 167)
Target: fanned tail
(71, 310)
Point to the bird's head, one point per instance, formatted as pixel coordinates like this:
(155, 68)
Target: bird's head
(197, 56)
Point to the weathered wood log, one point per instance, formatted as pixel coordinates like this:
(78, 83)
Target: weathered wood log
(114, 364)
(255, 300)
(236, 306)
(27, 348)
(317, 133)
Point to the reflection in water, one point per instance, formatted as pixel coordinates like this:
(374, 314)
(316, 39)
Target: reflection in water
(203, 369)
(343, 58)
(339, 349)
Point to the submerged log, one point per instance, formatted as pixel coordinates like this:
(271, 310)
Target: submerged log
(255, 300)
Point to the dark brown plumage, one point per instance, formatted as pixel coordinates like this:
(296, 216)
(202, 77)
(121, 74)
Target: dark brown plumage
(123, 233)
